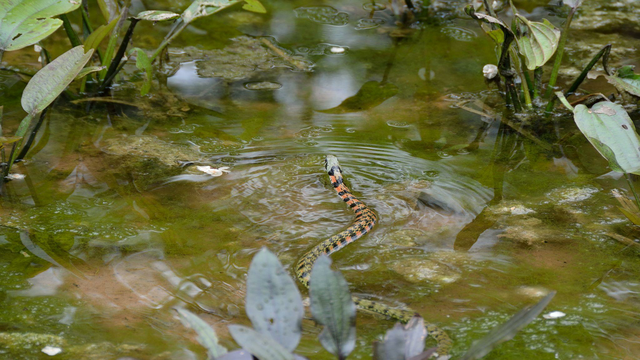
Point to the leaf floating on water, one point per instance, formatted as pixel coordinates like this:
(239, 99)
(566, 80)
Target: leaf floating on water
(507, 330)
(157, 15)
(370, 95)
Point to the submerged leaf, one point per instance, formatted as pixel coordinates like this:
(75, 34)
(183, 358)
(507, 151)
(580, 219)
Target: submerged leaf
(539, 44)
(507, 330)
(51, 80)
(274, 304)
(332, 306)
(25, 22)
(370, 95)
(260, 345)
(206, 336)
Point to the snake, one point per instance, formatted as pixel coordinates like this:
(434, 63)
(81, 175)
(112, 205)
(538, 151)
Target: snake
(364, 221)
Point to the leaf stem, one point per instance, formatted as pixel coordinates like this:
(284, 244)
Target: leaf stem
(604, 52)
(633, 189)
(71, 34)
(167, 40)
(558, 60)
(113, 67)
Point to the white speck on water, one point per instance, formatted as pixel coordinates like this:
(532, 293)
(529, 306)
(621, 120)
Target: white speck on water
(337, 50)
(554, 315)
(51, 351)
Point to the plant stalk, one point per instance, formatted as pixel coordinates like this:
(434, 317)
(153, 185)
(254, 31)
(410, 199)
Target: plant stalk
(32, 137)
(558, 61)
(113, 67)
(167, 40)
(604, 52)
(71, 34)
(633, 189)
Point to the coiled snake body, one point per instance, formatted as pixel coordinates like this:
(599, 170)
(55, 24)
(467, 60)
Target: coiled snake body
(362, 224)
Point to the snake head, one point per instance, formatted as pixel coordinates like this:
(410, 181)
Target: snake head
(330, 162)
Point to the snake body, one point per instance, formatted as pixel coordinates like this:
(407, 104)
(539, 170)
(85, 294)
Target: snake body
(364, 221)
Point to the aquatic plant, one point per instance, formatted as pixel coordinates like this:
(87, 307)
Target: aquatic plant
(274, 306)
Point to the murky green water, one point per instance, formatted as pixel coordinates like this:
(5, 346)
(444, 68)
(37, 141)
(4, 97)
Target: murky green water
(107, 232)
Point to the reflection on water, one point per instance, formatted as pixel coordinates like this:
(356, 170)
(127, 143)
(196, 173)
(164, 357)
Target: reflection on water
(113, 225)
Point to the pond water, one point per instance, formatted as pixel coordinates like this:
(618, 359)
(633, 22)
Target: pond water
(479, 216)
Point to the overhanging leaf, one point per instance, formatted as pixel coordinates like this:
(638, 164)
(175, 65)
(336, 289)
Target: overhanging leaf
(157, 15)
(25, 22)
(273, 303)
(206, 336)
(96, 37)
(261, 346)
(52, 79)
(507, 330)
(200, 8)
(332, 306)
(610, 130)
(370, 95)
(539, 44)
(255, 6)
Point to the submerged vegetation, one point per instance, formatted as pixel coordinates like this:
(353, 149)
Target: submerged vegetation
(154, 149)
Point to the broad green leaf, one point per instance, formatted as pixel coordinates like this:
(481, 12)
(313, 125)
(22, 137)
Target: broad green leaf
(262, 346)
(497, 35)
(370, 95)
(273, 303)
(157, 15)
(25, 22)
(200, 8)
(51, 80)
(109, 9)
(626, 80)
(332, 306)
(143, 63)
(539, 44)
(96, 37)
(610, 130)
(206, 336)
(393, 345)
(507, 330)
(255, 6)
(88, 70)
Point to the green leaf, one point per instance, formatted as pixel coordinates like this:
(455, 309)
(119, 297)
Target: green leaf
(96, 37)
(255, 6)
(274, 304)
(157, 15)
(88, 70)
(332, 306)
(610, 130)
(109, 9)
(370, 95)
(206, 335)
(25, 22)
(201, 8)
(143, 63)
(626, 80)
(51, 80)
(497, 35)
(539, 44)
(507, 330)
(262, 346)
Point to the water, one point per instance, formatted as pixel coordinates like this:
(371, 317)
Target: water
(109, 230)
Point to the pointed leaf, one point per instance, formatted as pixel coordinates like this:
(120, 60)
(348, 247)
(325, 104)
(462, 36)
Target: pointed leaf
(393, 345)
(260, 345)
(25, 22)
(370, 95)
(255, 6)
(610, 130)
(507, 330)
(88, 70)
(96, 37)
(274, 304)
(206, 335)
(539, 44)
(332, 306)
(157, 15)
(626, 80)
(51, 80)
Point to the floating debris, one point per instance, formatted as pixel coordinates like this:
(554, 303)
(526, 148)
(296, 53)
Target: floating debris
(15, 176)
(262, 85)
(554, 315)
(323, 15)
(213, 171)
(490, 71)
(323, 49)
(366, 23)
(51, 351)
